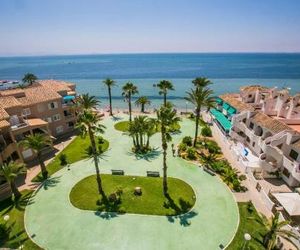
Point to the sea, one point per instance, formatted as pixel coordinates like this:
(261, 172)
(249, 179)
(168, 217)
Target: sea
(227, 71)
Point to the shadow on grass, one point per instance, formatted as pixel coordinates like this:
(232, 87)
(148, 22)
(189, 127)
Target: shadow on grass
(181, 211)
(108, 209)
(150, 156)
(19, 204)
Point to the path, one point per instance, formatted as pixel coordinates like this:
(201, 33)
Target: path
(54, 223)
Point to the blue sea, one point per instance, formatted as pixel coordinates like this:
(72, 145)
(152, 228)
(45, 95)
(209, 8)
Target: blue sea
(228, 72)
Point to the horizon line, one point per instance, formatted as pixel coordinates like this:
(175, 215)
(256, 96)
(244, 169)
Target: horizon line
(146, 53)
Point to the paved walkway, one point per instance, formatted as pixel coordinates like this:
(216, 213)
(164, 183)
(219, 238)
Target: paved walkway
(54, 223)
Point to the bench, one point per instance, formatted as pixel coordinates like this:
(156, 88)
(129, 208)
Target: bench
(117, 172)
(152, 173)
(207, 170)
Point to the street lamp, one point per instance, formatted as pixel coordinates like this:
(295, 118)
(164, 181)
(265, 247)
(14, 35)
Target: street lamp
(186, 103)
(247, 238)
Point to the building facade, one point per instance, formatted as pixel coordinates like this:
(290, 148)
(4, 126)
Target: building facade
(45, 107)
(266, 122)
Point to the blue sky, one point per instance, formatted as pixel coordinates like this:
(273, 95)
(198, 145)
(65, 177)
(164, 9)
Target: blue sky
(42, 27)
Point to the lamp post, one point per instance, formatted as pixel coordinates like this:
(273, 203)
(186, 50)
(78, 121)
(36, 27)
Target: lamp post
(247, 238)
(6, 219)
(186, 103)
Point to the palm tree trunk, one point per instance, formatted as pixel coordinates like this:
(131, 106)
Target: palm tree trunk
(143, 108)
(148, 141)
(197, 125)
(15, 190)
(165, 99)
(129, 103)
(42, 164)
(165, 147)
(94, 149)
(110, 106)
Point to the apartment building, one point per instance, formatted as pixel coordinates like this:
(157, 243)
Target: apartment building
(44, 107)
(266, 121)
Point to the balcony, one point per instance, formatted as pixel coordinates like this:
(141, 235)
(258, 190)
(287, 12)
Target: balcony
(267, 163)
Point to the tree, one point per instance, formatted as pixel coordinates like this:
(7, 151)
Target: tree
(29, 78)
(10, 171)
(200, 97)
(89, 124)
(37, 142)
(164, 86)
(109, 84)
(201, 82)
(85, 102)
(129, 89)
(166, 118)
(142, 101)
(275, 228)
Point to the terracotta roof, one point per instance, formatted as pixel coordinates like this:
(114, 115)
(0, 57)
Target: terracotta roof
(269, 123)
(4, 124)
(57, 85)
(38, 94)
(9, 102)
(236, 103)
(253, 88)
(10, 92)
(3, 114)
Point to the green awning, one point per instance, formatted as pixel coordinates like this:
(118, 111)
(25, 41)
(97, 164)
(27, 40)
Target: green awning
(219, 100)
(231, 110)
(222, 119)
(226, 106)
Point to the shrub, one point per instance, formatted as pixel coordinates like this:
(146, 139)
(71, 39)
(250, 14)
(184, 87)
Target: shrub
(182, 147)
(192, 115)
(213, 147)
(191, 153)
(4, 232)
(250, 207)
(187, 140)
(100, 140)
(206, 131)
(63, 159)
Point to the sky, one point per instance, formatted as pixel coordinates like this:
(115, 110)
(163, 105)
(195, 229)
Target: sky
(52, 27)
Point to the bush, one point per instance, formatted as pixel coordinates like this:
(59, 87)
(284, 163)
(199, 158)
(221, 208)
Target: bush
(213, 147)
(100, 140)
(191, 153)
(187, 140)
(3, 232)
(192, 115)
(63, 159)
(206, 131)
(182, 147)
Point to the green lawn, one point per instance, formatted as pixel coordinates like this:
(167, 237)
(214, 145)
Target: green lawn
(75, 151)
(248, 225)
(84, 195)
(124, 126)
(18, 234)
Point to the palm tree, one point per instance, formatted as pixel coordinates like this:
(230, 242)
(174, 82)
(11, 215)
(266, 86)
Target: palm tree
(201, 82)
(200, 97)
(10, 171)
(164, 86)
(89, 124)
(129, 89)
(29, 78)
(142, 101)
(275, 228)
(166, 118)
(37, 142)
(230, 175)
(109, 84)
(86, 101)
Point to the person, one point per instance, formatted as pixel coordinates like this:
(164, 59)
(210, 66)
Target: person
(173, 150)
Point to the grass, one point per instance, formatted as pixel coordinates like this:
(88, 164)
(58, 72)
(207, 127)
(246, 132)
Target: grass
(75, 151)
(17, 235)
(181, 197)
(248, 225)
(123, 126)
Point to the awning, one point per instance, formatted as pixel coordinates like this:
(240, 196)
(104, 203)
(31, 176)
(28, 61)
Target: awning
(219, 100)
(222, 119)
(68, 97)
(226, 106)
(231, 110)
(290, 202)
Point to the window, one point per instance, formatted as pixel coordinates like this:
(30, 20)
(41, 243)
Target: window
(244, 120)
(52, 105)
(70, 124)
(248, 139)
(26, 111)
(253, 144)
(251, 125)
(56, 117)
(59, 129)
(294, 154)
(286, 172)
(249, 96)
